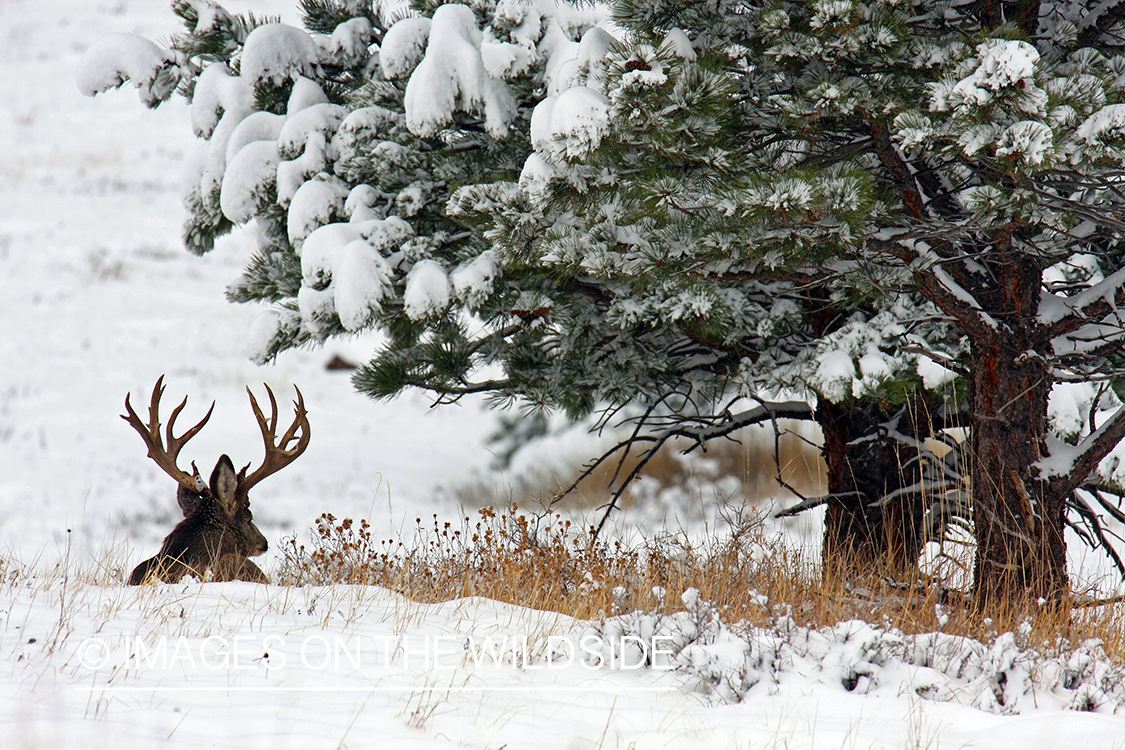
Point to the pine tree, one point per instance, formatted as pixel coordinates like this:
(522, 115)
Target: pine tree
(891, 209)
(633, 216)
(985, 140)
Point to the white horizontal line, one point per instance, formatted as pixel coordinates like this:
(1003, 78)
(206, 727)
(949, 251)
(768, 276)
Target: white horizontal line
(429, 688)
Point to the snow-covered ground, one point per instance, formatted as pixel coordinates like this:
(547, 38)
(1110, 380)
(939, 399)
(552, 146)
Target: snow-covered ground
(246, 666)
(97, 299)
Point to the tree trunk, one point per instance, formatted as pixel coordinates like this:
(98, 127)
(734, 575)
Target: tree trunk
(1019, 525)
(1019, 522)
(864, 465)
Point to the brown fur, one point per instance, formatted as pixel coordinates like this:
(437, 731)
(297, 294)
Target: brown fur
(216, 536)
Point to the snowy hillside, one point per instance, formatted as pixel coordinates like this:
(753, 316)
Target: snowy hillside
(98, 299)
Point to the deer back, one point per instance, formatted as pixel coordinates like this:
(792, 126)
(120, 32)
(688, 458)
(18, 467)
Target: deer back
(216, 536)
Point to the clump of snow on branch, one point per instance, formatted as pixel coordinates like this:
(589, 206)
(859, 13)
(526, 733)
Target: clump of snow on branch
(348, 45)
(679, 44)
(1104, 126)
(322, 119)
(571, 124)
(584, 63)
(452, 77)
(864, 353)
(304, 144)
(116, 58)
(473, 281)
(1003, 66)
(345, 273)
(249, 180)
(316, 203)
(216, 92)
(305, 94)
(1027, 141)
(277, 52)
(259, 126)
(427, 290)
(404, 46)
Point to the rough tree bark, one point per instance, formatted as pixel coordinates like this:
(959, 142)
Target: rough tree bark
(1019, 519)
(864, 465)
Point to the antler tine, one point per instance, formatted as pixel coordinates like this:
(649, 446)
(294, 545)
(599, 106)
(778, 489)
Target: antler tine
(278, 454)
(176, 443)
(165, 457)
(150, 433)
(300, 420)
(273, 410)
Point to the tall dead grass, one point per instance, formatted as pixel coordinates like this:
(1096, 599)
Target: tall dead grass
(543, 561)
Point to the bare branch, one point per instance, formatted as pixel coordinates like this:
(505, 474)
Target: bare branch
(1093, 303)
(1093, 522)
(699, 430)
(937, 285)
(1084, 457)
(1099, 21)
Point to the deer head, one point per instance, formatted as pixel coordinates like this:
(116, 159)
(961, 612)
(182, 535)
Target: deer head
(217, 535)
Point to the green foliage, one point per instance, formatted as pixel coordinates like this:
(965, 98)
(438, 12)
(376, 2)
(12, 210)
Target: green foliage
(221, 37)
(271, 276)
(323, 16)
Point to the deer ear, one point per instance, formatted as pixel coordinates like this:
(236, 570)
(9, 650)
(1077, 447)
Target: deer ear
(224, 482)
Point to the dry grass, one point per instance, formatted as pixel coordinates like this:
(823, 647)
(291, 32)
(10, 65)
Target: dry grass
(541, 561)
(747, 456)
(544, 562)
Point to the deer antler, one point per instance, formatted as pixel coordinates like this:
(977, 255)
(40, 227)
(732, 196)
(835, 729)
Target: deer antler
(278, 454)
(165, 457)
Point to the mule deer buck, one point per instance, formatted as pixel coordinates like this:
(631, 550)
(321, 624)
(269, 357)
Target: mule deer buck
(217, 535)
